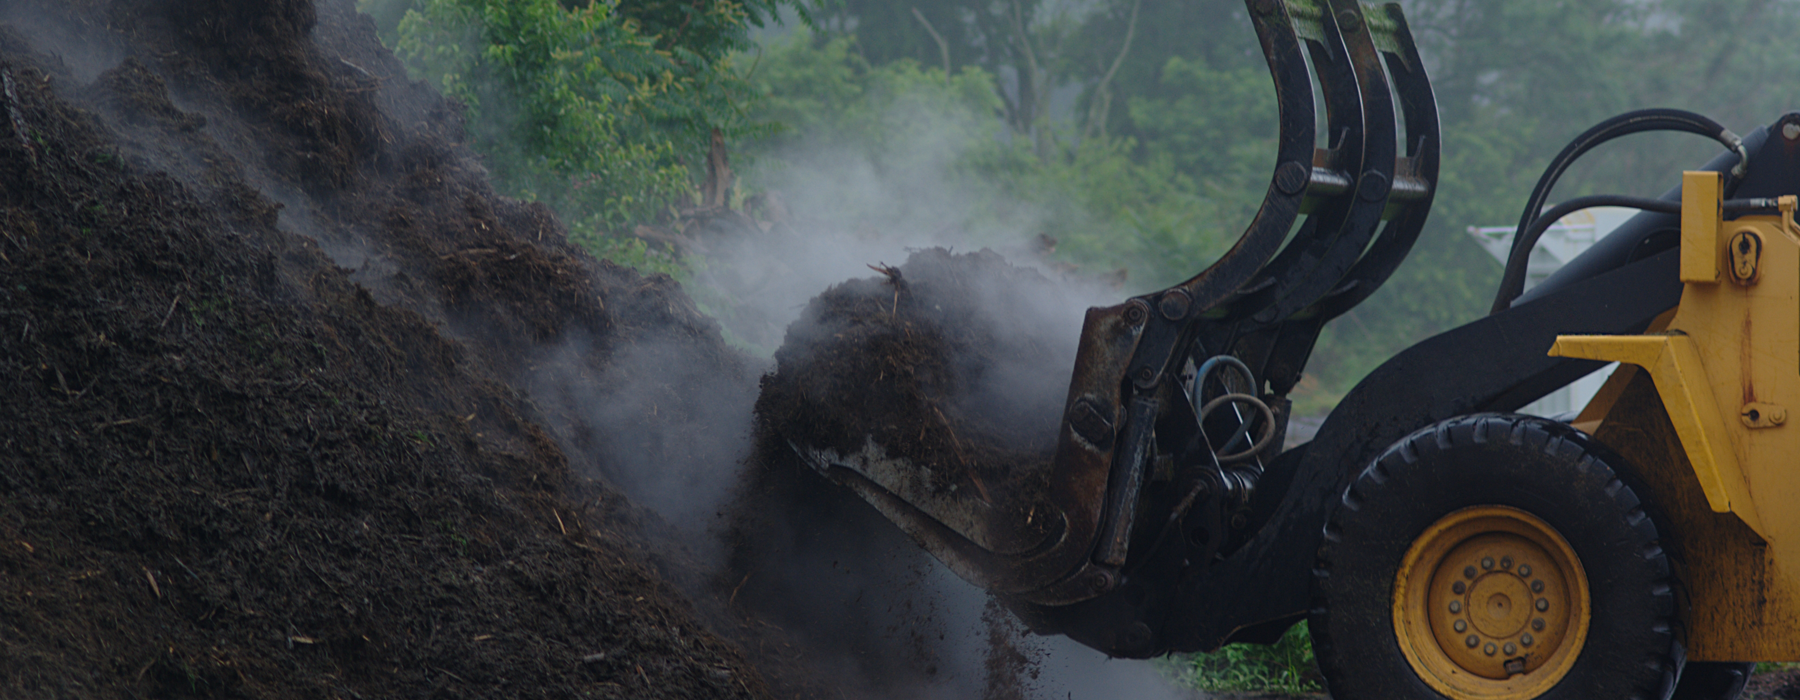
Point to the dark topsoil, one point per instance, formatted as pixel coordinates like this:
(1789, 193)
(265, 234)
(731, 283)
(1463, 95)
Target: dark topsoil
(228, 469)
(937, 378)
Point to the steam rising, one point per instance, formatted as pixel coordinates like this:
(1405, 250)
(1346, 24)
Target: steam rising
(870, 609)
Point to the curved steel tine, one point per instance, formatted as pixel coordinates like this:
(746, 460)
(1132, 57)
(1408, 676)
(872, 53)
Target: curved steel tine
(1415, 174)
(1293, 170)
(1322, 260)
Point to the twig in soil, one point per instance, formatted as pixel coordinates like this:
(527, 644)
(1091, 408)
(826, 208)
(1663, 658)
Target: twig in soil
(645, 676)
(955, 444)
(184, 567)
(84, 390)
(153, 587)
(116, 423)
(893, 275)
(440, 669)
(981, 489)
(734, 591)
(591, 658)
(559, 522)
(171, 312)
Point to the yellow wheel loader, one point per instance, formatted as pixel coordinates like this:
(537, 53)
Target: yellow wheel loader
(1437, 544)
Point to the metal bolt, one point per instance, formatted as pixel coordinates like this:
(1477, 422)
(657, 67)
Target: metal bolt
(1505, 562)
(1524, 569)
(1471, 641)
(1175, 305)
(1134, 314)
(1537, 586)
(1100, 581)
(1292, 177)
(1468, 572)
(1509, 649)
(1489, 649)
(1790, 131)
(1538, 624)
(1458, 588)
(1460, 626)
(1487, 563)
(1455, 606)
(1543, 604)
(1349, 19)
(1526, 640)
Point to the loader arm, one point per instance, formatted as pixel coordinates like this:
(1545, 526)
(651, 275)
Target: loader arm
(1124, 393)
(1363, 187)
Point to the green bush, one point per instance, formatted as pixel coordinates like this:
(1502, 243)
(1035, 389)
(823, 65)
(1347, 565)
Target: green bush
(1284, 667)
(603, 111)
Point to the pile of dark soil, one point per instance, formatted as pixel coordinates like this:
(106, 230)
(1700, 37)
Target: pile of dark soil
(291, 409)
(941, 362)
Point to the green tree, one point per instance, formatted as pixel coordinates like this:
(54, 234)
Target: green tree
(602, 110)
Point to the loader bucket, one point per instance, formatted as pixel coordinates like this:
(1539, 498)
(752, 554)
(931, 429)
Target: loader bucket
(1364, 186)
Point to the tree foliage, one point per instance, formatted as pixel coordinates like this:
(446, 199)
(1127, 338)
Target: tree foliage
(600, 109)
(1514, 81)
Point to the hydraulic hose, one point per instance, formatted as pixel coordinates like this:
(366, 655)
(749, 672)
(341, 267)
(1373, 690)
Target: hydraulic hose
(1622, 125)
(1512, 282)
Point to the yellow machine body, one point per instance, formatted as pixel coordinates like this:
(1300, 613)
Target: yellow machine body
(1700, 405)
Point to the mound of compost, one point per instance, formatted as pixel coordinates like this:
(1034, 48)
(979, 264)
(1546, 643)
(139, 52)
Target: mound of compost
(942, 362)
(291, 404)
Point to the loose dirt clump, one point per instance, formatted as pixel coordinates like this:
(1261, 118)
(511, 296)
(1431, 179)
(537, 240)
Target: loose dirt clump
(956, 363)
(941, 362)
(276, 420)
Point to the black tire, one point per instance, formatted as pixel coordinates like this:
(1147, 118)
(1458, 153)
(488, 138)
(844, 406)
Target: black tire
(1709, 680)
(1494, 462)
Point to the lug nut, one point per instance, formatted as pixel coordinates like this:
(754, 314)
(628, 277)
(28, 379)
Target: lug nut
(1468, 572)
(1537, 586)
(1455, 606)
(1458, 588)
(1505, 562)
(1471, 641)
(1487, 563)
(1526, 640)
(1524, 569)
(1543, 604)
(1489, 649)
(1460, 626)
(1538, 624)
(1510, 649)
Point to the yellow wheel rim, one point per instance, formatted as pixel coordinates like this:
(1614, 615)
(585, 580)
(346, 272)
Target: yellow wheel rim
(1491, 603)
